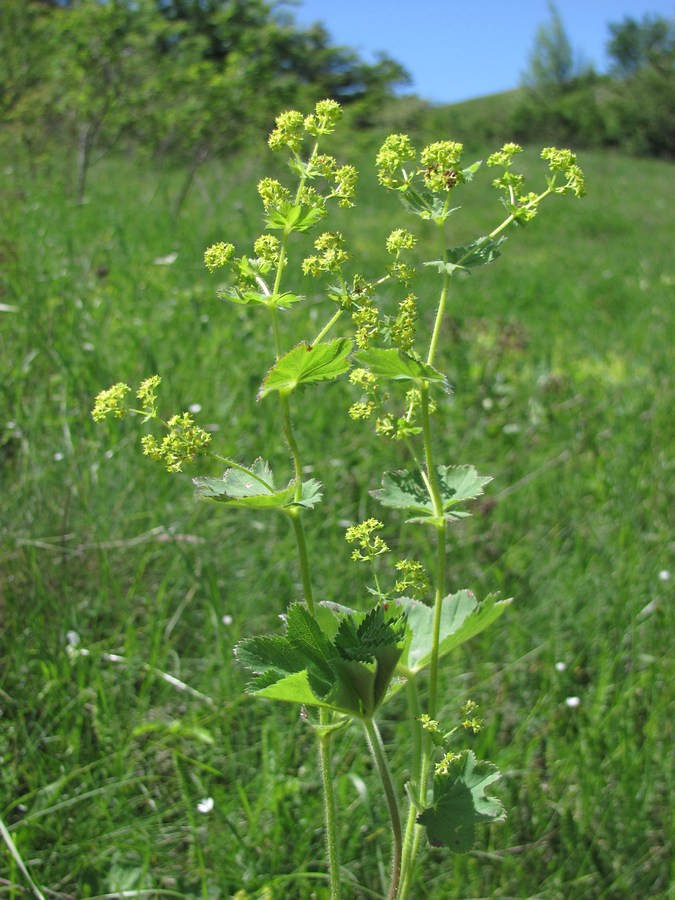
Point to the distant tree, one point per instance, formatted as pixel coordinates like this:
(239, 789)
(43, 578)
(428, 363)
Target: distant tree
(229, 66)
(99, 60)
(185, 78)
(634, 45)
(641, 103)
(552, 65)
(25, 107)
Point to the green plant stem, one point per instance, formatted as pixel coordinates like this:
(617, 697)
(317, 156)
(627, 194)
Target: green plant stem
(413, 831)
(324, 331)
(377, 749)
(414, 712)
(324, 736)
(330, 816)
(303, 557)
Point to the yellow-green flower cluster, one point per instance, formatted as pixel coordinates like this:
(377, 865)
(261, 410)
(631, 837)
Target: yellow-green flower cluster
(289, 131)
(443, 767)
(111, 402)
(272, 193)
(267, 248)
(396, 428)
(345, 185)
(399, 427)
(367, 322)
(364, 379)
(565, 161)
(182, 444)
(413, 580)
(332, 255)
(218, 255)
(147, 394)
(431, 726)
(390, 161)
(361, 291)
(504, 157)
(326, 116)
(473, 724)
(362, 409)
(370, 543)
(440, 161)
(403, 327)
(523, 206)
(400, 239)
(509, 181)
(292, 126)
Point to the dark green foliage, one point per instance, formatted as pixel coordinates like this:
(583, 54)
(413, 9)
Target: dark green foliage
(635, 45)
(185, 79)
(460, 803)
(632, 109)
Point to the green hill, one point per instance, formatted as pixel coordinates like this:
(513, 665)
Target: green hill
(116, 581)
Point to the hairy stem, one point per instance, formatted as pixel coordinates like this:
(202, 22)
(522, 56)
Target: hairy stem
(303, 557)
(330, 816)
(377, 749)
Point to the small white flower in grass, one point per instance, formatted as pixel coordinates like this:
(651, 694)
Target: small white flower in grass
(664, 575)
(572, 702)
(195, 408)
(560, 666)
(205, 805)
(58, 456)
(227, 620)
(72, 638)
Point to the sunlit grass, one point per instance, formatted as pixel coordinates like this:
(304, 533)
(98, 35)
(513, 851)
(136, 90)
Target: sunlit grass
(113, 577)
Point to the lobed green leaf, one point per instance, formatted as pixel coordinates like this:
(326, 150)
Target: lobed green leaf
(290, 217)
(460, 803)
(462, 617)
(306, 364)
(425, 203)
(408, 490)
(392, 364)
(346, 666)
(480, 252)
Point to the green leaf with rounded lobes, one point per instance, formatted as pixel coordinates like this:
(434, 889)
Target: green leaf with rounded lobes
(311, 494)
(395, 365)
(470, 171)
(408, 490)
(293, 688)
(426, 204)
(290, 217)
(347, 669)
(462, 617)
(250, 297)
(307, 364)
(460, 803)
(254, 488)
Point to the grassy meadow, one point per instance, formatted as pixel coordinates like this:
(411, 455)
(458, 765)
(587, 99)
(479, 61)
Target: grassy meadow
(113, 576)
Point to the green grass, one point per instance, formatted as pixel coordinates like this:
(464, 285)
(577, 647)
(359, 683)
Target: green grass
(561, 359)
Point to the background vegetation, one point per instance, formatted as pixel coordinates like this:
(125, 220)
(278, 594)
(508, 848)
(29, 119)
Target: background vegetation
(112, 577)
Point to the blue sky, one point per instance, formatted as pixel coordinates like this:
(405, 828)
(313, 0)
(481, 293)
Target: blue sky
(459, 50)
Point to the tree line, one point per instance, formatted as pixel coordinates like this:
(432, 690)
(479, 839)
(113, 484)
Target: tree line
(185, 79)
(631, 108)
